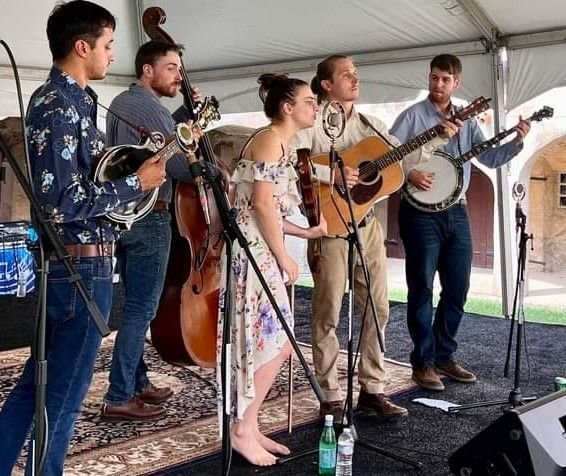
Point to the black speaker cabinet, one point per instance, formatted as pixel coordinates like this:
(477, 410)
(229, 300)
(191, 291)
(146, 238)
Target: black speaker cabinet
(527, 441)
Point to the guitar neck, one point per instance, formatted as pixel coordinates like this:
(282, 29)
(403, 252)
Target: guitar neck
(488, 144)
(396, 154)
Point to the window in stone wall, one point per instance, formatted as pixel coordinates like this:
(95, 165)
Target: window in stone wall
(562, 190)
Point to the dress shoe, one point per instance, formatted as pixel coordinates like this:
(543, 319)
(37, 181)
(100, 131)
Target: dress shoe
(378, 404)
(334, 408)
(428, 378)
(155, 395)
(133, 409)
(456, 372)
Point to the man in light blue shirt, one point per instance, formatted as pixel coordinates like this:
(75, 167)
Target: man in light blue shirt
(440, 241)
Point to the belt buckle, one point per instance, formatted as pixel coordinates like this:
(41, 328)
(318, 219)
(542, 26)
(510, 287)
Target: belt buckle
(107, 250)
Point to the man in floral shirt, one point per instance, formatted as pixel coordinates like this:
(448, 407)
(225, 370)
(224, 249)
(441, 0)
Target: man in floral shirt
(64, 143)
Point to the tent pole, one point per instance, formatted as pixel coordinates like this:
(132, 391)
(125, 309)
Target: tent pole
(499, 91)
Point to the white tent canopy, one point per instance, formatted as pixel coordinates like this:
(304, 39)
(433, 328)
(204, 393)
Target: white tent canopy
(229, 43)
(512, 50)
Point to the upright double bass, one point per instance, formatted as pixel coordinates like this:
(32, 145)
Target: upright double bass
(184, 329)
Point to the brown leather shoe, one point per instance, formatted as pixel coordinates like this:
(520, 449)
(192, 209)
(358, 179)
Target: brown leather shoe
(456, 372)
(428, 378)
(379, 404)
(334, 408)
(133, 409)
(155, 395)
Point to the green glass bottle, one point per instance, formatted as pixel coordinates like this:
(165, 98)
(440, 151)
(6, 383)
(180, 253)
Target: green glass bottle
(327, 449)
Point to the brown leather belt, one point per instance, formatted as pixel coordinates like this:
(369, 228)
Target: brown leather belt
(160, 206)
(88, 251)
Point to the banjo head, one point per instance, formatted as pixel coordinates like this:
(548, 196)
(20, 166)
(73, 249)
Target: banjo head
(447, 185)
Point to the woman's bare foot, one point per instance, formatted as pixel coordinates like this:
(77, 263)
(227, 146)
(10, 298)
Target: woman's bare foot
(245, 443)
(270, 445)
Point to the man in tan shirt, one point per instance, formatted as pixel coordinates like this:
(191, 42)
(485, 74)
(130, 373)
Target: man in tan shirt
(337, 80)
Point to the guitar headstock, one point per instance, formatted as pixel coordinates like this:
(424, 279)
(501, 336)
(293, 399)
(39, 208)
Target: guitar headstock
(206, 112)
(541, 114)
(478, 105)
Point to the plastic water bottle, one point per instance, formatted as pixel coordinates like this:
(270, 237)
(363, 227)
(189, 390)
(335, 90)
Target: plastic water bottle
(345, 453)
(327, 448)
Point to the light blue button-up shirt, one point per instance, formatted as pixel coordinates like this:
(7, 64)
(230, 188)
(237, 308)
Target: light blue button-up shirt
(423, 115)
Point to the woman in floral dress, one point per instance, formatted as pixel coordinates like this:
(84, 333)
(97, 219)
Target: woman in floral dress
(266, 193)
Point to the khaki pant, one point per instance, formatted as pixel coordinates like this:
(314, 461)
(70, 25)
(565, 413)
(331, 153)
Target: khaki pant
(329, 285)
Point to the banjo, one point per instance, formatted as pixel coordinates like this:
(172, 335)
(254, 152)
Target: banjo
(447, 191)
(123, 160)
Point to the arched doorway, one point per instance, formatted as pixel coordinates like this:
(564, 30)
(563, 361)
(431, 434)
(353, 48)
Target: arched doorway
(480, 209)
(546, 215)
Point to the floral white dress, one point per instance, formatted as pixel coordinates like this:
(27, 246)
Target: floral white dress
(258, 335)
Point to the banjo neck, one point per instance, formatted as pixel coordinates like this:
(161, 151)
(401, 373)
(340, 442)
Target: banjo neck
(398, 153)
(488, 144)
(480, 148)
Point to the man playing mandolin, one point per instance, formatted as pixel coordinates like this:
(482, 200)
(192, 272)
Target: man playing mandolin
(64, 145)
(337, 80)
(440, 241)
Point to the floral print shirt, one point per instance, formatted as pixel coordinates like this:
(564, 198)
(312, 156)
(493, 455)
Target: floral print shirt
(64, 145)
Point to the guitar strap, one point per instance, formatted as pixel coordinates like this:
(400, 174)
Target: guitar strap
(142, 131)
(367, 123)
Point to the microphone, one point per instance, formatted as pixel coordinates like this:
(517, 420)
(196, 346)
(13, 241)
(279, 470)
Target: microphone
(518, 191)
(333, 124)
(334, 119)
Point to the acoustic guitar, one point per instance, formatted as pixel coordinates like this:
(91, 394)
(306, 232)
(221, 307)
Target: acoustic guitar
(380, 171)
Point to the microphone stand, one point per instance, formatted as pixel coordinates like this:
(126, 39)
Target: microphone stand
(231, 233)
(49, 243)
(355, 244)
(515, 397)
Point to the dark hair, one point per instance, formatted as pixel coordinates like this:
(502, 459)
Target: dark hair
(73, 21)
(275, 89)
(150, 52)
(447, 63)
(324, 70)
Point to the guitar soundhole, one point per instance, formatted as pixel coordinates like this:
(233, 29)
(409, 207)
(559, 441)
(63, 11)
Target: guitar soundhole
(369, 172)
(370, 183)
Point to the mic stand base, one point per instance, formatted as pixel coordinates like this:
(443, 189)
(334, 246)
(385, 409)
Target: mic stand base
(515, 398)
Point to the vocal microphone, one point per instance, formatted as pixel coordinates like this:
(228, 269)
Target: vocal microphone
(518, 193)
(333, 124)
(334, 119)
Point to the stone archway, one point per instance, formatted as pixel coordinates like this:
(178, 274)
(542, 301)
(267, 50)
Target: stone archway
(547, 217)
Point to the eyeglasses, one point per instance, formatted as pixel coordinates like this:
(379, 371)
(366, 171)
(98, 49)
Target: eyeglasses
(310, 101)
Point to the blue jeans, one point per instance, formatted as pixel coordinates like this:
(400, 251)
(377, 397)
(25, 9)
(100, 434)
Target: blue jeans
(72, 342)
(435, 242)
(142, 254)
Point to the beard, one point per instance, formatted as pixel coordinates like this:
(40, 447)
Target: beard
(169, 90)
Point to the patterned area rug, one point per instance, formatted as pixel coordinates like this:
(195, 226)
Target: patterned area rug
(190, 428)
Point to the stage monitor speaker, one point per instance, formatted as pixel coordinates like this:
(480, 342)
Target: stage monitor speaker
(527, 441)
